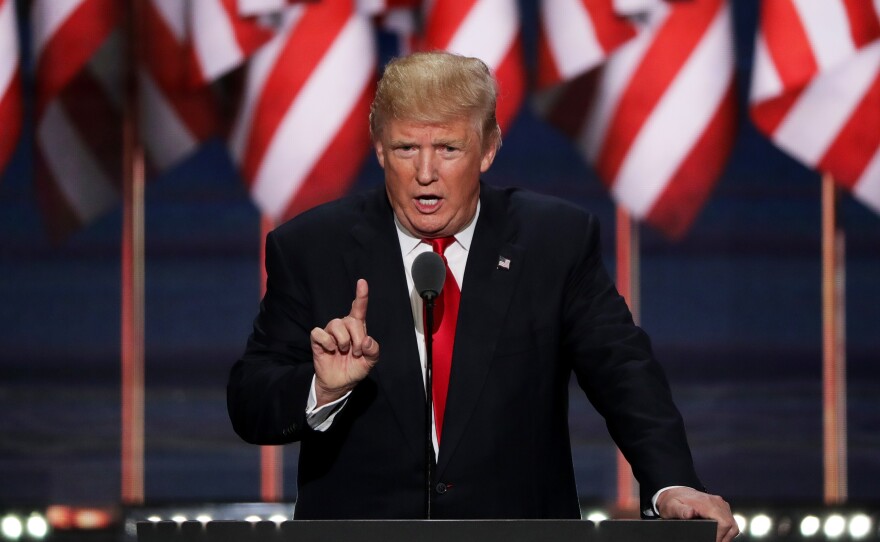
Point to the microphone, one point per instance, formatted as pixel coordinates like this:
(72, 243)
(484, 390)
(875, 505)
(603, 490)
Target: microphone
(429, 273)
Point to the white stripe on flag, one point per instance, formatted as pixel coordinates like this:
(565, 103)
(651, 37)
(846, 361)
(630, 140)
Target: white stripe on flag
(214, 39)
(487, 32)
(571, 35)
(766, 82)
(9, 59)
(827, 27)
(47, 16)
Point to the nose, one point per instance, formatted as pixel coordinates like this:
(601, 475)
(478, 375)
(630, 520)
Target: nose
(426, 168)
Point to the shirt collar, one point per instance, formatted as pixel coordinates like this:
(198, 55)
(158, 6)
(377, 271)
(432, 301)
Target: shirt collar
(408, 242)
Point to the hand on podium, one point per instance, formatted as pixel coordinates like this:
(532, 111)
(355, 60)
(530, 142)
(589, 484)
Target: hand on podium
(687, 503)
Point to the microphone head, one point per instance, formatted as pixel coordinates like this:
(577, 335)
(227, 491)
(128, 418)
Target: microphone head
(429, 273)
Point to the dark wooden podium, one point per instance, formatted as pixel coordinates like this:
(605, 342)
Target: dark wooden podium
(428, 531)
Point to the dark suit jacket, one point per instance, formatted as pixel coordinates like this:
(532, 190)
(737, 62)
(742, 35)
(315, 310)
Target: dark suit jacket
(521, 332)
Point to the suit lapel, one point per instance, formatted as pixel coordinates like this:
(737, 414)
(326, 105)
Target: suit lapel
(488, 287)
(389, 317)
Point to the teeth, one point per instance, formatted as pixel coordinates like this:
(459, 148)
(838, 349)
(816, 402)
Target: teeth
(428, 201)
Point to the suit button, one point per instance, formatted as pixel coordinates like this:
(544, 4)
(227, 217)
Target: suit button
(441, 488)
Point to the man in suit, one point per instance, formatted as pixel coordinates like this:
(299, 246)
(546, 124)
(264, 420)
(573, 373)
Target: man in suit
(343, 377)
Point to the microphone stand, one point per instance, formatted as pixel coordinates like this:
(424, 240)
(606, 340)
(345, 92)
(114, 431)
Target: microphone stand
(429, 403)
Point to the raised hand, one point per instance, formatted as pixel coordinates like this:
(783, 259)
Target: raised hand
(343, 353)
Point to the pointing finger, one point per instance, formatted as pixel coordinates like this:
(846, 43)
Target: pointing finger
(359, 305)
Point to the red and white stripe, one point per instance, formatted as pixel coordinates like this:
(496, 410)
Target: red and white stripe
(10, 82)
(301, 134)
(659, 123)
(222, 37)
(176, 116)
(78, 127)
(575, 36)
(488, 30)
(816, 88)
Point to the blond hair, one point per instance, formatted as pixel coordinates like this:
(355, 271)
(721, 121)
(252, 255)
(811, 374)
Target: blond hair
(436, 87)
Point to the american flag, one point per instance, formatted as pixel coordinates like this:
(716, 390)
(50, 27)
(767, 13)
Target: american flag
(657, 122)
(78, 125)
(816, 88)
(301, 133)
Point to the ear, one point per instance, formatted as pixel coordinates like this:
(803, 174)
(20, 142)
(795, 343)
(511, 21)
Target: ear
(380, 155)
(488, 156)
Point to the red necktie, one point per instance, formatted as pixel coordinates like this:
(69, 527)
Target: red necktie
(445, 317)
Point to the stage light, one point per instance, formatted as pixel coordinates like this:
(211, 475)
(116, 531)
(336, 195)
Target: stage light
(253, 519)
(204, 518)
(11, 527)
(810, 526)
(154, 519)
(278, 519)
(178, 518)
(741, 522)
(835, 524)
(760, 525)
(597, 516)
(37, 527)
(859, 526)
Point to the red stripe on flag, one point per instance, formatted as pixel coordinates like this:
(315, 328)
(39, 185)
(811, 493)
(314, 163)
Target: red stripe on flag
(864, 21)
(332, 176)
(511, 89)
(72, 45)
(857, 142)
(96, 121)
(249, 34)
(611, 29)
(673, 44)
(787, 43)
(443, 22)
(10, 117)
(306, 46)
(690, 186)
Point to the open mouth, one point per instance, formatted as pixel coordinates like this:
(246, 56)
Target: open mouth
(427, 203)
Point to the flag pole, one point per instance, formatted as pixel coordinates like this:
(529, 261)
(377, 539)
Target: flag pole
(627, 241)
(271, 457)
(132, 279)
(833, 347)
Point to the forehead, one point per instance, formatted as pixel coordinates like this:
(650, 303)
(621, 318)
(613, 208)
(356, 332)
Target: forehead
(455, 129)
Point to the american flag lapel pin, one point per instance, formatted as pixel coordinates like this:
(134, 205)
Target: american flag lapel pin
(503, 263)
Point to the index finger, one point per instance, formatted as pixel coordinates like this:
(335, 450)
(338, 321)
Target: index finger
(359, 305)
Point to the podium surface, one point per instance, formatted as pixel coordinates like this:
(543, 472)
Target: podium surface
(429, 531)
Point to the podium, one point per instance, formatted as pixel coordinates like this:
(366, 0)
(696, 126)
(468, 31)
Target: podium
(429, 531)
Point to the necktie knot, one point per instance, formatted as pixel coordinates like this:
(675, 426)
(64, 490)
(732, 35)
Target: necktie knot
(441, 244)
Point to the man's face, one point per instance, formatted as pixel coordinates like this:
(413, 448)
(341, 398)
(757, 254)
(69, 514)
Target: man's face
(432, 174)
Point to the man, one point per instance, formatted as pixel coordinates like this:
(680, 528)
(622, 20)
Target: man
(535, 304)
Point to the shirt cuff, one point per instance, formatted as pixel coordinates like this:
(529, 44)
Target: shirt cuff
(653, 512)
(321, 418)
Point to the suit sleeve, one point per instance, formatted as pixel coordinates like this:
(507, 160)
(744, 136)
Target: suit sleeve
(269, 386)
(615, 366)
